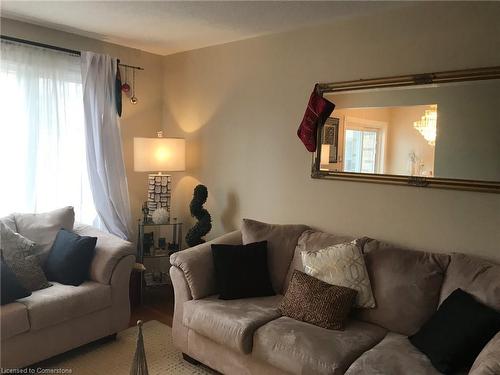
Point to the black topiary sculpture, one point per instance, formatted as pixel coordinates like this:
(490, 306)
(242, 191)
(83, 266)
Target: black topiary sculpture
(204, 224)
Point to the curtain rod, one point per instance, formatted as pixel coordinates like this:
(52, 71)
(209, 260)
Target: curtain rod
(61, 49)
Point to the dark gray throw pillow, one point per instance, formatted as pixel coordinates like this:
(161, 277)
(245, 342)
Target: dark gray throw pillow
(454, 336)
(11, 288)
(17, 252)
(241, 270)
(70, 257)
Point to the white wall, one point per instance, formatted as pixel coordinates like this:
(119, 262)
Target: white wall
(239, 106)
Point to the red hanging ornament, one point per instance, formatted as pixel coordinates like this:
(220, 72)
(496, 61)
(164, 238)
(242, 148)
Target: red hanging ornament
(126, 86)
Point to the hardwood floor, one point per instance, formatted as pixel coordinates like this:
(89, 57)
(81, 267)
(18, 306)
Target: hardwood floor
(158, 305)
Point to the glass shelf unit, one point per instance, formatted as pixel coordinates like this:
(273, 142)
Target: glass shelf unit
(155, 244)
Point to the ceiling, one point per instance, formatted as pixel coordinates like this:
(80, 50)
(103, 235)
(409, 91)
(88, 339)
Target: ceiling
(166, 27)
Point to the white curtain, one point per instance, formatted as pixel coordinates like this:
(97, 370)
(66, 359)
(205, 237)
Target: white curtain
(42, 137)
(104, 149)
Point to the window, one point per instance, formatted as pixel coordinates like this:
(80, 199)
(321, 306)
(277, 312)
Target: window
(42, 140)
(361, 151)
(364, 146)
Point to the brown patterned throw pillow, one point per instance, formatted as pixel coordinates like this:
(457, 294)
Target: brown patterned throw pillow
(313, 301)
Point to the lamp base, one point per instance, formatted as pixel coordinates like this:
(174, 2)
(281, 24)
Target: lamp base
(159, 192)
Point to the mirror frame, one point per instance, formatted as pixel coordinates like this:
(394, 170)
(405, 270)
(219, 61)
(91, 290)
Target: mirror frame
(401, 81)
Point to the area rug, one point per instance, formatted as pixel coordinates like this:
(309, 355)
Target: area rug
(115, 357)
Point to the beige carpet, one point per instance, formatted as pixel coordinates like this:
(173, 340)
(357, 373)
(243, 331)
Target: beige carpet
(115, 357)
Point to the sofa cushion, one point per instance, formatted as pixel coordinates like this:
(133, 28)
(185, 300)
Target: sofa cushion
(42, 228)
(406, 285)
(197, 264)
(281, 243)
(17, 252)
(313, 301)
(475, 276)
(10, 221)
(11, 289)
(231, 323)
(13, 320)
(69, 259)
(457, 332)
(302, 348)
(342, 264)
(488, 361)
(241, 270)
(394, 355)
(60, 303)
(309, 241)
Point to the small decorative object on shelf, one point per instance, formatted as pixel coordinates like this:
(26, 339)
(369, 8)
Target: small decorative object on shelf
(147, 242)
(161, 216)
(145, 212)
(204, 224)
(162, 243)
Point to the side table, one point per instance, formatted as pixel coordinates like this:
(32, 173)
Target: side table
(156, 242)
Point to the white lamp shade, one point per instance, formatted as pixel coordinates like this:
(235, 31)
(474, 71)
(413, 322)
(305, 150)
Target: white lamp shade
(159, 154)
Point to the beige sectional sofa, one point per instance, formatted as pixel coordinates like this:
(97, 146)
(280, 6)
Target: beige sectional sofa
(63, 317)
(248, 336)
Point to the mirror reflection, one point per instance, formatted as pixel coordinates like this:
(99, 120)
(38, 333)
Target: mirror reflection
(446, 131)
(384, 140)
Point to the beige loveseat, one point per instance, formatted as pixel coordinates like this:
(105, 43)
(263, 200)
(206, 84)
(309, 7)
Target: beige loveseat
(63, 317)
(249, 336)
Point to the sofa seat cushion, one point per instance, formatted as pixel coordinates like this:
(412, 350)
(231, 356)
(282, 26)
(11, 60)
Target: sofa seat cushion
(60, 303)
(302, 348)
(13, 320)
(394, 355)
(231, 323)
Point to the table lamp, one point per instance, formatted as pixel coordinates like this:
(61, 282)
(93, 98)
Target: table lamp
(159, 155)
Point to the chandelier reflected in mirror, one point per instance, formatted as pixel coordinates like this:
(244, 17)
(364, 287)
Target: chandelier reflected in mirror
(427, 125)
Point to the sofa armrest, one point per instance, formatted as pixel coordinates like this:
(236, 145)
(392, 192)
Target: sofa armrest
(120, 282)
(108, 252)
(488, 361)
(198, 267)
(182, 293)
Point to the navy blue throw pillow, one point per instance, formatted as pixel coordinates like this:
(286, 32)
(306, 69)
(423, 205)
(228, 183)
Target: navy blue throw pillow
(11, 289)
(70, 257)
(457, 332)
(241, 270)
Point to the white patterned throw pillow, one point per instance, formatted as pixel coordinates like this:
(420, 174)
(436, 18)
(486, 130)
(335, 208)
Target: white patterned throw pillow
(17, 253)
(342, 265)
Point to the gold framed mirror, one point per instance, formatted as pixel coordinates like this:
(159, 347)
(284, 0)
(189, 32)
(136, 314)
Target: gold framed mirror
(438, 130)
